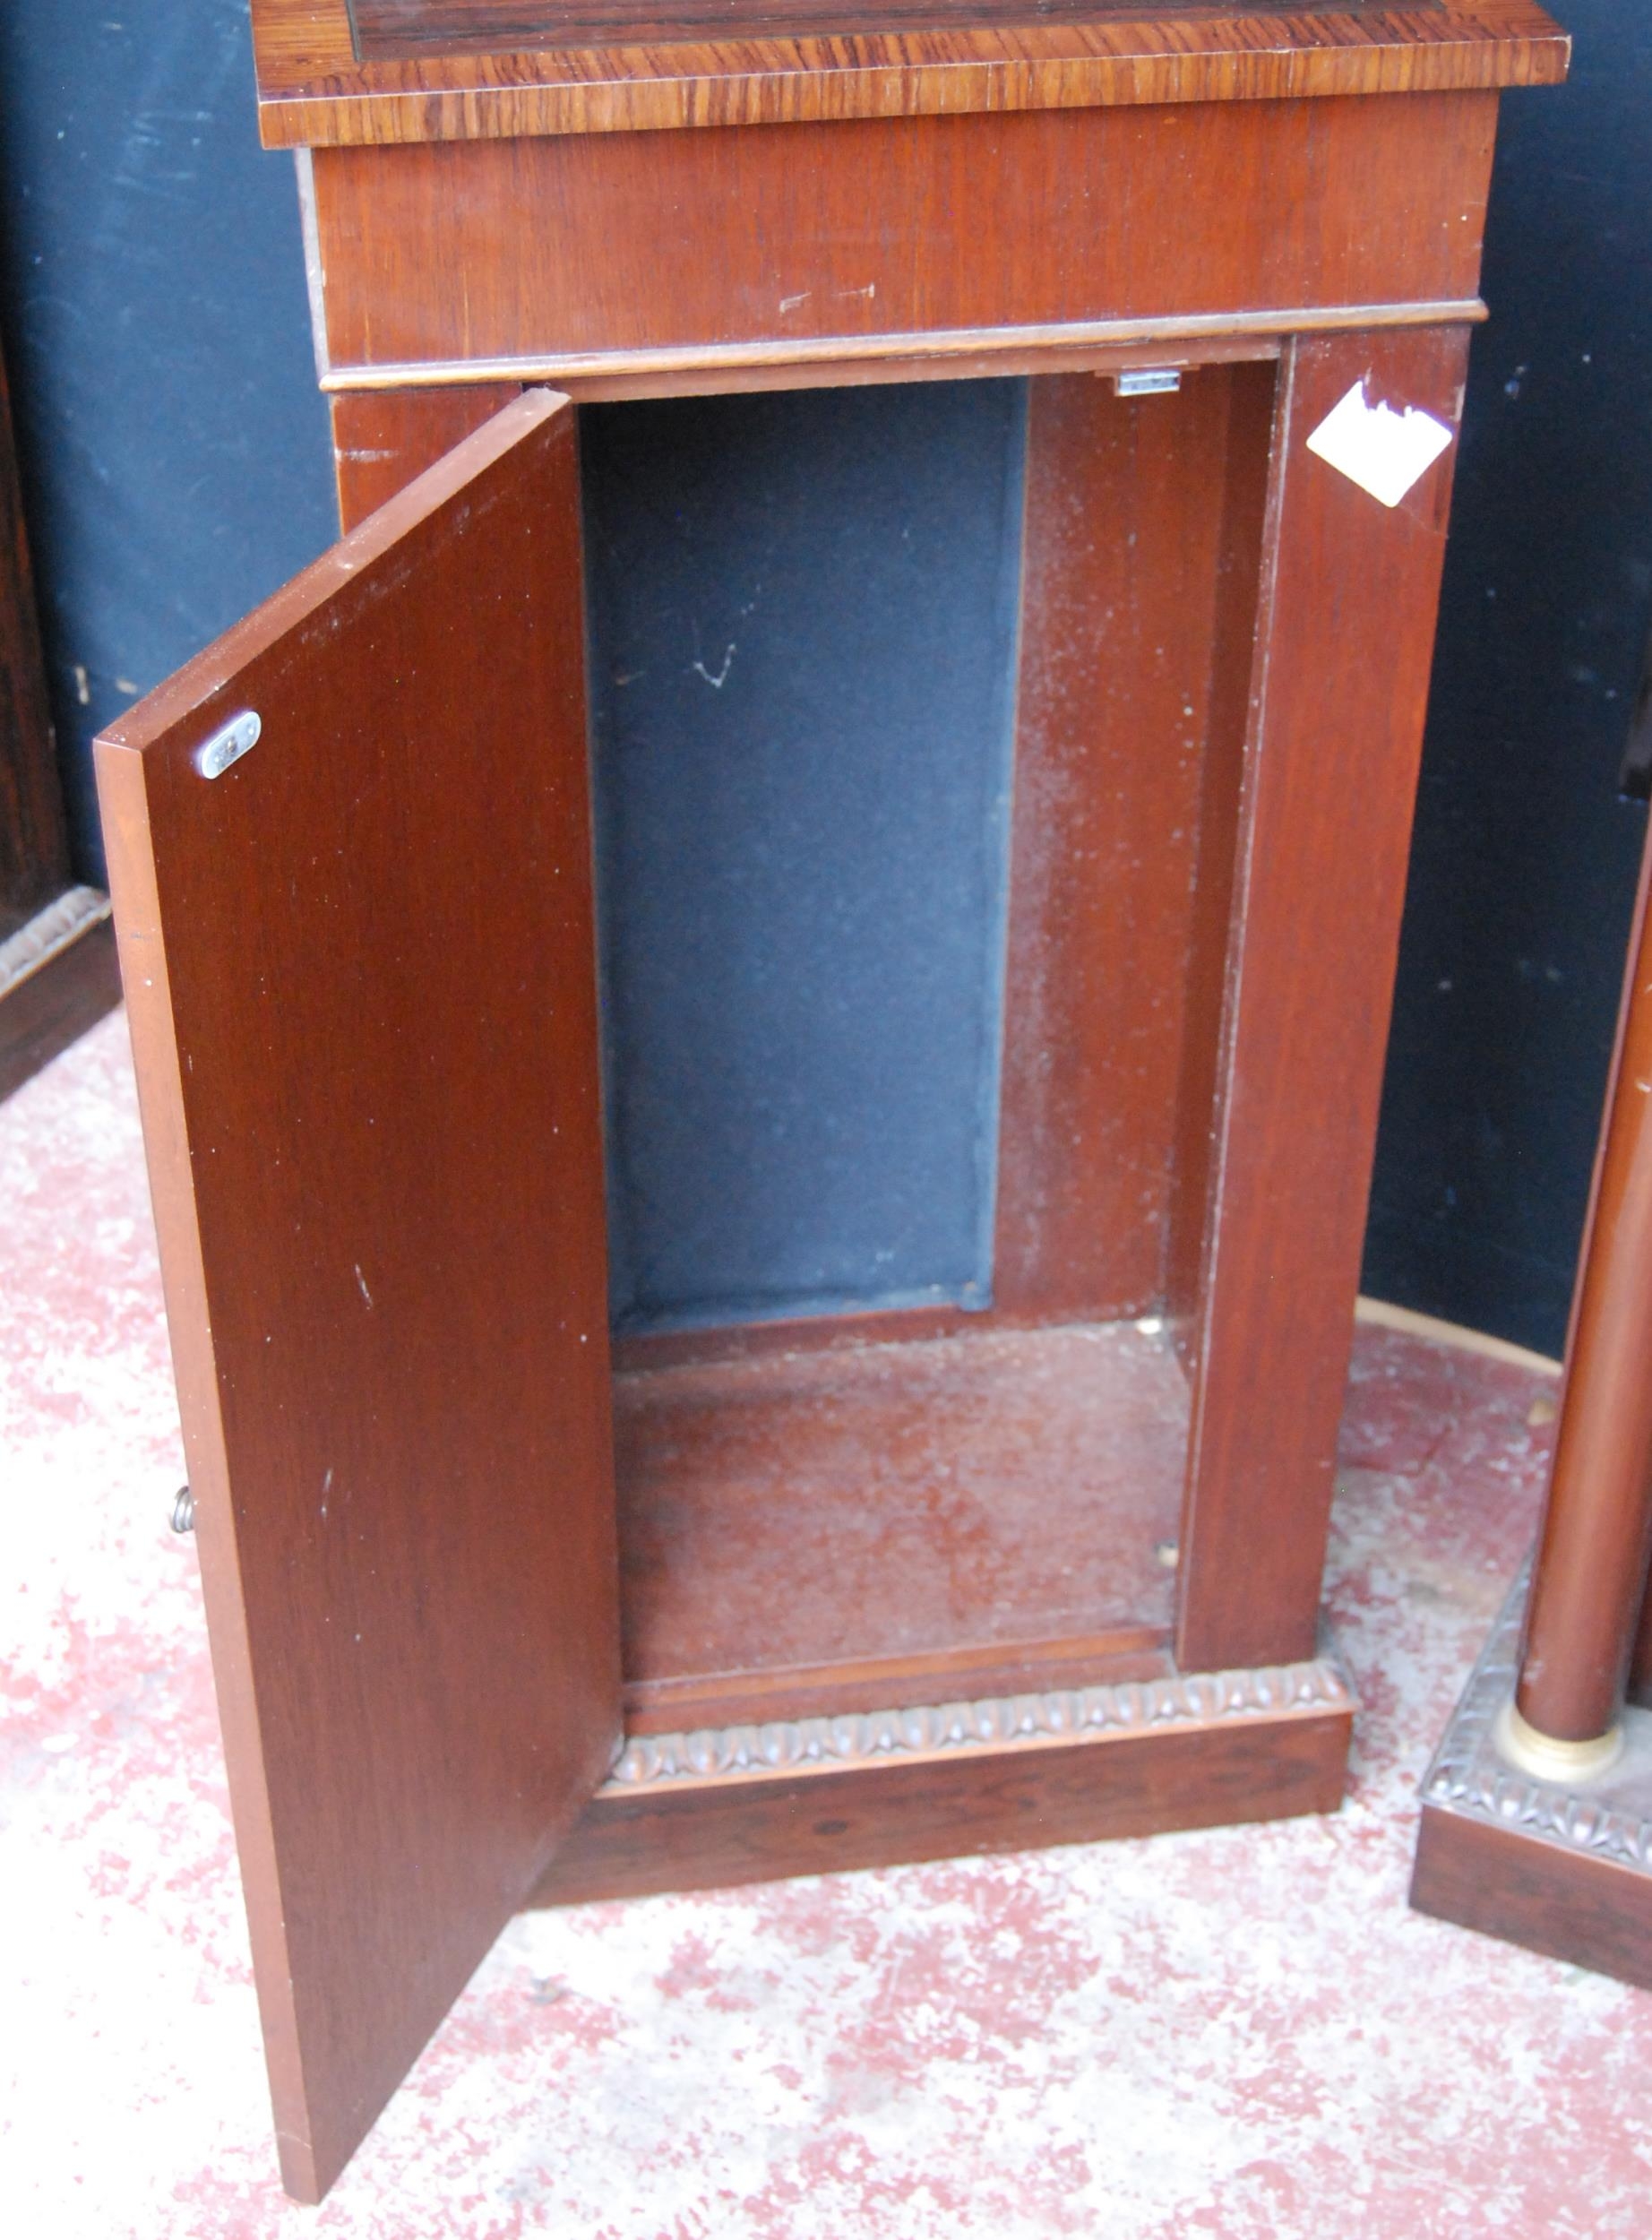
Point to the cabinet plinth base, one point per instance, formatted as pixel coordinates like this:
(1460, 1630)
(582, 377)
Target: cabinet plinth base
(808, 1797)
(58, 978)
(1564, 1869)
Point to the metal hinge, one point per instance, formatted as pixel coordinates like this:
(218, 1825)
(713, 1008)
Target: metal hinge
(1148, 381)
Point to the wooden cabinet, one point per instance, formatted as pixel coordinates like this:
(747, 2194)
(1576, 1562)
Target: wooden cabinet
(504, 1608)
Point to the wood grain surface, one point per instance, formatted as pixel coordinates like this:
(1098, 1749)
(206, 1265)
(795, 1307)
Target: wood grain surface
(1576, 1907)
(382, 439)
(359, 966)
(1124, 504)
(1344, 632)
(460, 72)
(816, 245)
(1231, 653)
(1560, 1867)
(387, 30)
(1583, 1621)
(894, 1507)
(1119, 1654)
(362, 975)
(43, 1012)
(817, 1797)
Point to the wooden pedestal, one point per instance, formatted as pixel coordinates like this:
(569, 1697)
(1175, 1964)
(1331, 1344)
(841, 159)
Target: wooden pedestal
(1537, 1813)
(500, 1610)
(1561, 1867)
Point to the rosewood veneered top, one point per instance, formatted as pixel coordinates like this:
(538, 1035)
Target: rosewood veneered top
(344, 71)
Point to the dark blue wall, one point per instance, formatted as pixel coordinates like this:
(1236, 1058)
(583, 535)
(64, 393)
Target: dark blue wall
(176, 467)
(803, 614)
(173, 444)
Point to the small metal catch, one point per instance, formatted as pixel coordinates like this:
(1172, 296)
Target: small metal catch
(183, 1510)
(1147, 381)
(229, 745)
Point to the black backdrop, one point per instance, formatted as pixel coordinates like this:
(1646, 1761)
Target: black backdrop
(176, 462)
(1523, 870)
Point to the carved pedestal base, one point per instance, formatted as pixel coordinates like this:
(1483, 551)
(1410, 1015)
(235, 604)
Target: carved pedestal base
(58, 976)
(1563, 1868)
(813, 1796)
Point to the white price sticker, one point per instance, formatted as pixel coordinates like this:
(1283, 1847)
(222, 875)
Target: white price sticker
(1383, 451)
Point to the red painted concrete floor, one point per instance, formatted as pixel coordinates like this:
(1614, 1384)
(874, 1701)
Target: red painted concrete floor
(1242, 2033)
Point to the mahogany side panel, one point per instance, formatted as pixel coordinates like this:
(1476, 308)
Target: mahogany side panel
(1124, 516)
(382, 439)
(1345, 634)
(628, 66)
(360, 971)
(573, 255)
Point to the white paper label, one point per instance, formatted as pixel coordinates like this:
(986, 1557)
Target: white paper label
(1383, 451)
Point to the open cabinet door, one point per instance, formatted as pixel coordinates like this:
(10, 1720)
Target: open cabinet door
(360, 961)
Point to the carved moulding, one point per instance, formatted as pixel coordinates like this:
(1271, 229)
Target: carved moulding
(1561, 1867)
(1609, 1818)
(907, 1735)
(49, 933)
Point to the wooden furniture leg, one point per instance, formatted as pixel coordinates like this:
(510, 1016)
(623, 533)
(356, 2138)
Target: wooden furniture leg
(1537, 1811)
(1324, 811)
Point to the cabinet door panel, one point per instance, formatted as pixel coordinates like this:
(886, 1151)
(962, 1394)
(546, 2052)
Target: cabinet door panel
(359, 965)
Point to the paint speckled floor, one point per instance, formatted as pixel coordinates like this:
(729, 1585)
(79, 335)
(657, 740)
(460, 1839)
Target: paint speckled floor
(1242, 2033)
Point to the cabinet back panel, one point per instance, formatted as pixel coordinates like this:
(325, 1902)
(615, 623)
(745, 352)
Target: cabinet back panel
(803, 628)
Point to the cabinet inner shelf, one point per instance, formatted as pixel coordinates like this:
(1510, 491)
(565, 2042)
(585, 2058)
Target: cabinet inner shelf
(834, 1529)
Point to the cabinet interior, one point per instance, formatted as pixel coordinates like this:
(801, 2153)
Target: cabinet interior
(916, 715)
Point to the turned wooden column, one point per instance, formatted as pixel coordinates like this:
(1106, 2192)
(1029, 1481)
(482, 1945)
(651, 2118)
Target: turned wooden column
(1590, 1574)
(1537, 1822)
